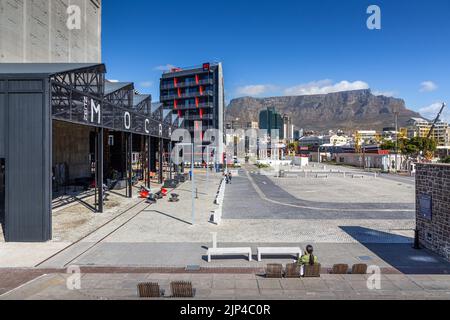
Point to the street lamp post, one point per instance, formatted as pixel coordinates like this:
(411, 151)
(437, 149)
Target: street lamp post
(192, 178)
(208, 159)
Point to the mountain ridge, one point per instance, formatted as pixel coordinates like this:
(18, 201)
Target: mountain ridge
(345, 110)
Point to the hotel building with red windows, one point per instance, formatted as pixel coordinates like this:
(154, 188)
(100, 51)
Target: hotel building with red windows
(195, 94)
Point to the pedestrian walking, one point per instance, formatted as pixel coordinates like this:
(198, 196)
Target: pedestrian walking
(230, 176)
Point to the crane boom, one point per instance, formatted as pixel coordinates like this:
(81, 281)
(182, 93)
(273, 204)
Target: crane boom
(436, 121)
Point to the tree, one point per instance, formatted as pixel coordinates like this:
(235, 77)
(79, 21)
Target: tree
(293, 148)
(388, 145)
(413, 147)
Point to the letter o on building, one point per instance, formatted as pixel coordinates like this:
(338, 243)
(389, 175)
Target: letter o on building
(127, 120)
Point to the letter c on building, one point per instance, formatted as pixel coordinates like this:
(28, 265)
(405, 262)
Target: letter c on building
(147, 122)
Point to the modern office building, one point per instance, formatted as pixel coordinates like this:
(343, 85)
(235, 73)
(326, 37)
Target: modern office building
(196, 94)
(50, 31)
(270, 120)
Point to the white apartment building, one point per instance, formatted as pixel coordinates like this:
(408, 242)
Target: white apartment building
(365, 136)
(333, 140)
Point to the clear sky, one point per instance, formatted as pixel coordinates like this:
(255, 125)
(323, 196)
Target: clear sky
(279, 47)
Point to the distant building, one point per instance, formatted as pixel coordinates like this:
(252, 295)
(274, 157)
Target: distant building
(269, 120)
(366, 136)
(236, 124)
(252, 125)
(326, 141)
(380, 160)
(314, 141)
(297, 135)
(418, 127)
(38, 31)
(288, 128)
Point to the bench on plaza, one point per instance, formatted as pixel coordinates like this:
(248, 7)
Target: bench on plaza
(312, 271)
(182, 289)
(229, 252)
(149, 290)
(292, 270)
(274, 271)
(321, 176)
(277, 251)
(359, 269)
(340, 269)
(358, 176)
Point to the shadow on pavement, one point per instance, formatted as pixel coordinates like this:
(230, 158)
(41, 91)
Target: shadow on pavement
(397, 251)
(169, 216)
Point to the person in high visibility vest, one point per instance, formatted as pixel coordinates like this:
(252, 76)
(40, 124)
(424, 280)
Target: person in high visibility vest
(308, 259)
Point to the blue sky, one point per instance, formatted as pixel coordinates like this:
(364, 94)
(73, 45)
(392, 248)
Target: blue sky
(271, 48)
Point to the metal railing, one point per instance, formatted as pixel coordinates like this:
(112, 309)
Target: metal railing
(194, 106)
(187, 84)
(175, 70)
(197, 117)
(186, 95)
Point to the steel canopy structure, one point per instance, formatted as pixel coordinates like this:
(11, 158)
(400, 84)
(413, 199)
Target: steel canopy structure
(31, 97)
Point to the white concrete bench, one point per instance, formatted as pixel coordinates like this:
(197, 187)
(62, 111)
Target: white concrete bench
(229, 252)
(279, 251)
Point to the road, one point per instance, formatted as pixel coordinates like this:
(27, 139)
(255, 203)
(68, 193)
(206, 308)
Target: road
(255, 196)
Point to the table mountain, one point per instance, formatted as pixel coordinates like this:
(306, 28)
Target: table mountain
(349, 110)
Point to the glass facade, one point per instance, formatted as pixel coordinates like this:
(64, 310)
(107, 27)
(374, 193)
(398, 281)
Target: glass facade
(270, 119)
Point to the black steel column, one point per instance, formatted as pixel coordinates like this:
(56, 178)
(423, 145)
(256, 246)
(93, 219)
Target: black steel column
(129, 164)
(153, 151)
(161, 161)
(149, 156)
(99, 169)
(170, 160)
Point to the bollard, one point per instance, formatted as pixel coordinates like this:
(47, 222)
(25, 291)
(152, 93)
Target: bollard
(416, 240)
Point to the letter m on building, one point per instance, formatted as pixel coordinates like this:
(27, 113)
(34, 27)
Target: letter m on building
(95, 110)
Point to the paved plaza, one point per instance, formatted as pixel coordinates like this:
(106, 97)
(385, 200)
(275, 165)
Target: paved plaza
(236, 286)
(369, 220)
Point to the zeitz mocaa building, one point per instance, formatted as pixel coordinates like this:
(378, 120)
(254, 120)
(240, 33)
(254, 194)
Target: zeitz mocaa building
(50, 31)
(69, 114)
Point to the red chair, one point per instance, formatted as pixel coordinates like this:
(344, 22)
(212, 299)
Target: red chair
(144, 194)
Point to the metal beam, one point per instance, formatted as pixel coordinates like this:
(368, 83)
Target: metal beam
(129, 164)
(161, 161)
(99, 168)
(149, 166)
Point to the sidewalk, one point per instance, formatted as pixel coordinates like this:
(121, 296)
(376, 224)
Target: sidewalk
(238, 286)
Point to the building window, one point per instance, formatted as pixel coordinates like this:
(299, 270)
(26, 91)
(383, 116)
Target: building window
(110, 140)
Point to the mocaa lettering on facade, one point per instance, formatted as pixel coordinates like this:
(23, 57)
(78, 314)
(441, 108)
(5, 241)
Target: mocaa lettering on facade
(104, 115)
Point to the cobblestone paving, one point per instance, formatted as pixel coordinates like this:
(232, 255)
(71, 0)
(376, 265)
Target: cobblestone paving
(238, 286)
